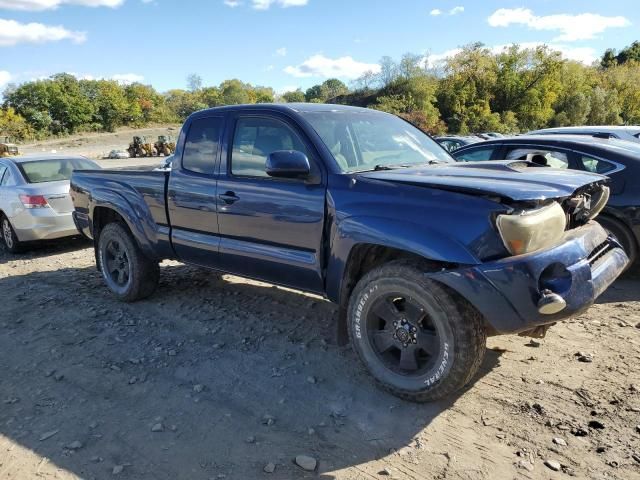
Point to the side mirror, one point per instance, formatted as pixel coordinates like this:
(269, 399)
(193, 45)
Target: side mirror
(288, 164)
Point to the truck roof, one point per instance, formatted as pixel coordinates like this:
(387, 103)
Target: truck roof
(288, 107)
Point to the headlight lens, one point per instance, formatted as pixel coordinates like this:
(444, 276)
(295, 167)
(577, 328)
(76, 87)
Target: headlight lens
(598, 202)
(530, 230)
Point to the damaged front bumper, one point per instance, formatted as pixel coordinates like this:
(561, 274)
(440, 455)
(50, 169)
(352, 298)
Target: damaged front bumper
(509, 292)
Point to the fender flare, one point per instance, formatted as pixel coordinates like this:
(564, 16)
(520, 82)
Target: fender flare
(418, 239)
(136, 215)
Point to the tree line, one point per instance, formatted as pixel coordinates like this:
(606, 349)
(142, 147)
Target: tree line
(476, 90)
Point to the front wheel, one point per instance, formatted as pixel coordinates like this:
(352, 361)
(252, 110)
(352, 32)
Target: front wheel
(128, 273)
(623, 234)
(419, 341)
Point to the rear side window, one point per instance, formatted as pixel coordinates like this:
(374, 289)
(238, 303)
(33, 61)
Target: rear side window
(202, 144)
(541, 156)
(477, 155)
(595, 165)
(54, 170)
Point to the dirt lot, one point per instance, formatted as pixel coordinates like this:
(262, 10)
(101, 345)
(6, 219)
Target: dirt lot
(216, 377)
(98, 145)
(235, 375)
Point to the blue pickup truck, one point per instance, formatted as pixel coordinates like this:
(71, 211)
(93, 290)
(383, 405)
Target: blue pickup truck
(424, 256)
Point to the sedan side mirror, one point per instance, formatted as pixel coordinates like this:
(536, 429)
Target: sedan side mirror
(288, 164)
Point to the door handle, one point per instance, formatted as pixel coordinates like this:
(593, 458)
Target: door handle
(228, 197)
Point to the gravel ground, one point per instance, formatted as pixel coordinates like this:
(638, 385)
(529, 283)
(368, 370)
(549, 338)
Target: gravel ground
(98, 145)
(219, 377)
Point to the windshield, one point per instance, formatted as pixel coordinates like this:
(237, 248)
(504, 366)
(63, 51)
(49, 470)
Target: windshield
(41, 171)
(365, 140)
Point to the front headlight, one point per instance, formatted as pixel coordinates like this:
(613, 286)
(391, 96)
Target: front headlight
(530, 230)
(598, 202)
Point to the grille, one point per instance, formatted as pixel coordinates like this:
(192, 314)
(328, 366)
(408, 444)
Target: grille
(599, 252)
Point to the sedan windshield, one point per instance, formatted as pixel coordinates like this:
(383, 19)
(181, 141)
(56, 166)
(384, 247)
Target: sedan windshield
(362, 141)
(41, 171)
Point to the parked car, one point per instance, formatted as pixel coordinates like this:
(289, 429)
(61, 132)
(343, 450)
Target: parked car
(618, 159)
(451, 142)
(118, 154)
(34, 198)
(489, 135)
(629, 133)
(424, 256)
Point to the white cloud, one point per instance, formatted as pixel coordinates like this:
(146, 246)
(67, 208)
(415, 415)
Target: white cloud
(456, 10)
(12, 33)
(582, 26)
(127, 78)
(324, 67)
(37, 5)
(281, 52)
(5, 77)
(436, 59)
(435, 12)
(266, 4)
(232, 3)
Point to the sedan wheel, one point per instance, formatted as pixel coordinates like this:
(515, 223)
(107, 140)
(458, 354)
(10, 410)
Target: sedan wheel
(9, 237)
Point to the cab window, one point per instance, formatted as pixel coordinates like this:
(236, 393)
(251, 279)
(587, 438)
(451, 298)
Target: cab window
(201, 145)
(255, 139)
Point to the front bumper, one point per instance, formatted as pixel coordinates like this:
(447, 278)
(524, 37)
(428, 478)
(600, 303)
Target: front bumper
(506, 292)
(43, 224)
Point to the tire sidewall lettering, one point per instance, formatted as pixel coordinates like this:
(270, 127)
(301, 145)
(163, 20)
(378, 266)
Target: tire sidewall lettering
(359, 309)
(442, 368)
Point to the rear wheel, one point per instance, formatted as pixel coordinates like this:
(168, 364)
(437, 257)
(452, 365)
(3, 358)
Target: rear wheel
(419, 341)
(128, 273)
(623, 234)
(9, 237)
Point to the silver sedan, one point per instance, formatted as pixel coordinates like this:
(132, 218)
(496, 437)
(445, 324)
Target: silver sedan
(34, 198)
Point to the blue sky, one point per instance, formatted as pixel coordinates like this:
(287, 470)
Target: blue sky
(284, 43)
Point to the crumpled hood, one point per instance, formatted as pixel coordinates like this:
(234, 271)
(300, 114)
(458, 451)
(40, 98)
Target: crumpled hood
(514, 180)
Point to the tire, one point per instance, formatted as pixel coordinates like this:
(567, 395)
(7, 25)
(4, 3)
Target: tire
(128, 273)
(9, 237)
(428, 318)
(623, 234)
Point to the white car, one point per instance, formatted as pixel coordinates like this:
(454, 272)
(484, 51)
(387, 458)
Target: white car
(118, 154)
(34, 198)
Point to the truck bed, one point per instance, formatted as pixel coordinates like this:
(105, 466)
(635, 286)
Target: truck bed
(132, 189)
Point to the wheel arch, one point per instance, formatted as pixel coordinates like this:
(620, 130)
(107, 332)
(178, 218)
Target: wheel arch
(108, 206)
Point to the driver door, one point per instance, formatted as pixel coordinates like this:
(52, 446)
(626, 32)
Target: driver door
(270, 228)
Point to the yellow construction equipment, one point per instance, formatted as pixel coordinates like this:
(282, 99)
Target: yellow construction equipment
(140, 147)
(7, 147)
(165, 145)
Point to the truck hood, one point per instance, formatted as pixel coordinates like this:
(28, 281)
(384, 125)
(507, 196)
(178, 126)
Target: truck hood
(512, 180)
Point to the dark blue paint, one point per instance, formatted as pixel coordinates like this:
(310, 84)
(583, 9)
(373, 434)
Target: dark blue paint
(301, 233)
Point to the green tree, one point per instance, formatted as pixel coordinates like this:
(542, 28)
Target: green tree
(294, 97)
(14, 125)
(194, 82)
(314, 93)
(605, 109)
